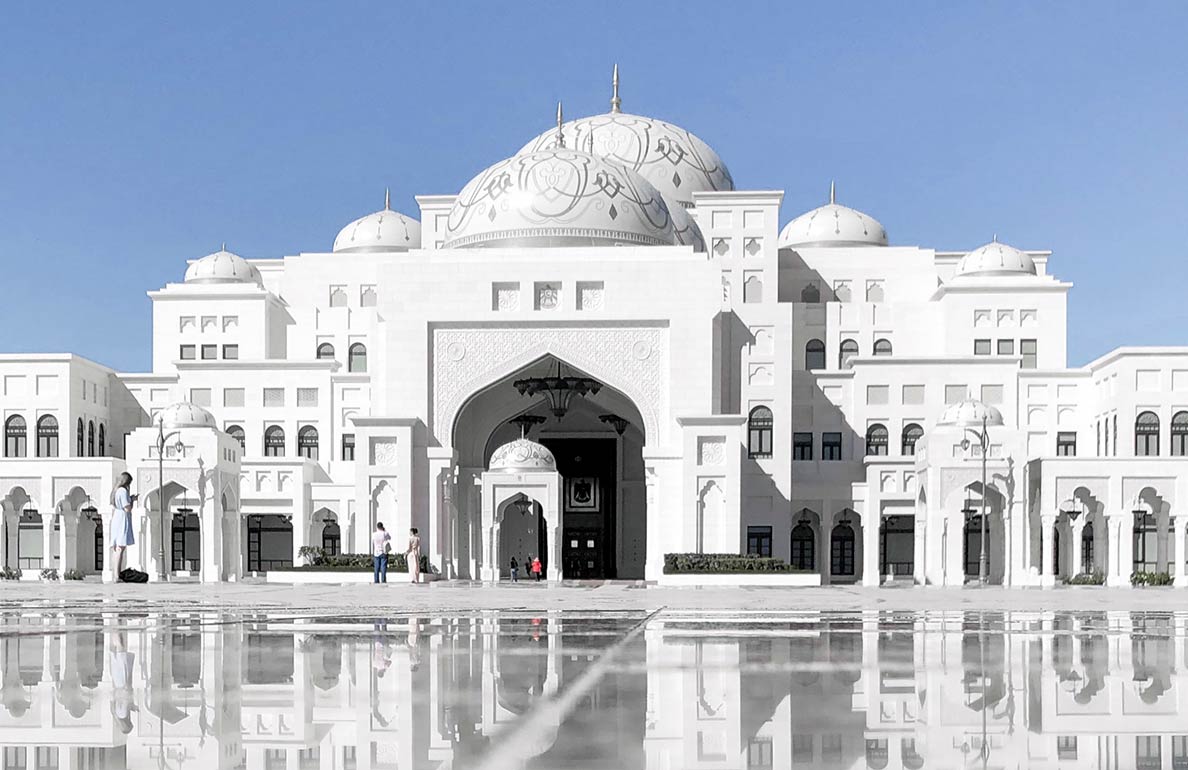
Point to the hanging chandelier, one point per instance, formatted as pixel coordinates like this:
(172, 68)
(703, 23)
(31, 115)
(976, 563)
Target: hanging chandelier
(558, 390)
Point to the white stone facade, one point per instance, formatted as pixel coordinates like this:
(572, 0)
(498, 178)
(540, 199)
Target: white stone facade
(774, 384)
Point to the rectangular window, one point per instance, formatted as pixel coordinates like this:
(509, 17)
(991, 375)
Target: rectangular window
(913, 395)
(348, 446)
(307, 396)
(1006, 347)
(274, 397)
(187, 352)
(231, 352)
(759, 754)
(831, 747)
(1066, 747)
(955, 394)
(759, 541)
(877, 395)
(1147, 753)
(802, 446)
(992, 394)
(802, 749)
(1179, 752)
(1115, 452)
(831, 447)
(1099, 438)
(200, 396)
(1028, 349)
(210, 352)
(981, 347)
(233, 397)
(1066, 444)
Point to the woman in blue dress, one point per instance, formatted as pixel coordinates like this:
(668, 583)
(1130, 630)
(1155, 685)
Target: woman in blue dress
(120, 525)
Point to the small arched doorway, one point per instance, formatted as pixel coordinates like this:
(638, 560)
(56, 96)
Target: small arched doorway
(187, 541)
(803, 555)
(841, 550)
(331, 539)
(523, 534)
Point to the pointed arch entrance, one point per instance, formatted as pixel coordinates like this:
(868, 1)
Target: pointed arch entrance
(598, 443)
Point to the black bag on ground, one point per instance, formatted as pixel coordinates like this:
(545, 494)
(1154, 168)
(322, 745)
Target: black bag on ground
(130, 575)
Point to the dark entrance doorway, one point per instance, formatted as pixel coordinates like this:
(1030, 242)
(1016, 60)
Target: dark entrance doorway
(588, 493)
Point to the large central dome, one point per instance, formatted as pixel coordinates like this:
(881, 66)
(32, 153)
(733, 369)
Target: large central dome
(675, 161)
(558, 197)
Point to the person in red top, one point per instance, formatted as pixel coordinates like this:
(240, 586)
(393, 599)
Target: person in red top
(536, 567)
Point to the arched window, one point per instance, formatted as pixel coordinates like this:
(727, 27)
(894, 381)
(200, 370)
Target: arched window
(357, 358)
(841, 550)
(882, 347)
(47, 436)
(1146, 435)
(236, 432)
(876, 440)
(1087, 549)
(102, 441)
(759, 430)
(325, 352)
(274, 441)
(810, 293)
(82, 442)
(15, 436)
(911, 434)
(331, 539)
(91, 438)
(804, 543)
(1179, 434)
(849, 349)
(814, 354)
(307, 442)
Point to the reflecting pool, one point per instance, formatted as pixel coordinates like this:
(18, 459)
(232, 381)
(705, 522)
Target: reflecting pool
(85, 691)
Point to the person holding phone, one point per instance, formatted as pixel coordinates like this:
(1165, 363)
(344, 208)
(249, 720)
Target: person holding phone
(120, 523)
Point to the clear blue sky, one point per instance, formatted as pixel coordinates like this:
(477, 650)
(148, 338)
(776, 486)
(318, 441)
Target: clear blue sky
(134, 136)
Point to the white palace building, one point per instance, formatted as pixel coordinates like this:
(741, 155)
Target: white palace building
(694, 378)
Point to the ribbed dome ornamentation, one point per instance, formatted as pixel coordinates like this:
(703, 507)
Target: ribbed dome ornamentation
(385, 230)
(222, 267)
(996, 259)
(833, 225)
(185, 415)
(522, 455)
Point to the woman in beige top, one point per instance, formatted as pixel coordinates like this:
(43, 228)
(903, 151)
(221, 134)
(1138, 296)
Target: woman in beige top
(414, 555)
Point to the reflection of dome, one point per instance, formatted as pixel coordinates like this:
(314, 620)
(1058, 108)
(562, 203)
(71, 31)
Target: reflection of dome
(970, 413)
(384, 230)
(996, 259)
(558, 197)
(222, 267)
(673, 160)
(523, 455)
(186, 415)
(833, 225)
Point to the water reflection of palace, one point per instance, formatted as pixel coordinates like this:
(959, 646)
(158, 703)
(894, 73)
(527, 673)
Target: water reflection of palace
(810, 690)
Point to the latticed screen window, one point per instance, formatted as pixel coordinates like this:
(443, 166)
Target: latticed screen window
(1066, 444)
(911, 434)
(814, 354)
(307, 396)
(831, 446)
(233, 397)
(274, 396)
(236, 432)
(1147, 752)
(1179, 434)
(47, 436)
(1066, 747)
(274, 441)
(802, 446)
(848, 350)
(15, 437)
(876, 440)
(759, 754)
(802, 749)
(348, 446)
(759, 541)
(307, 442)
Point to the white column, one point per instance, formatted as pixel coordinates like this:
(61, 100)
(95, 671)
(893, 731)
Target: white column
(1161, 545)
(870, 549)
(1047, 541)
(919, 549)
(1178, 525)
(47, 540)
(1077, 529)
(1118, 557)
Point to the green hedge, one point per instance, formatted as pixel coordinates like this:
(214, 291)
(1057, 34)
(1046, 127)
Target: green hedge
(317, 560)
(1150, 579)
(722, 564)
(1086, 579)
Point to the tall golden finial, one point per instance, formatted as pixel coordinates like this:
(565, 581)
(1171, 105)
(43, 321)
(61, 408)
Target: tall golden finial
(560, 120)
(832, 192)
(387, 199)
(616, 102)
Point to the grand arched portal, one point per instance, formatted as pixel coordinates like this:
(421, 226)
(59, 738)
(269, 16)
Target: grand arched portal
(598, 444)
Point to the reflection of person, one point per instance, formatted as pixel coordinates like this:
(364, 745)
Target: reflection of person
(123, 700)
(381, 543)
(119, 523)
(414, 643)
(414, 555)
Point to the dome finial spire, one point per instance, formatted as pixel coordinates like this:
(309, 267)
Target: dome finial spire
(832, 192)
(616, 102)
(387, 199)
(224, 246)
(560, 120)
(994, 239)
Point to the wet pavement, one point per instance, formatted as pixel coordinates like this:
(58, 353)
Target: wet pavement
(102, 686)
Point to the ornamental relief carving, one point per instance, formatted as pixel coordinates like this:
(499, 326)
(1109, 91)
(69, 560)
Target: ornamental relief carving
(383, 451)
(632, 360)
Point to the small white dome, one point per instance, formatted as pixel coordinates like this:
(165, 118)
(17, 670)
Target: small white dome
(833, 225)
(558, 197)
(384, 230)
(996, 259)
(222, 267)
(523, 455)
(970, 413)
(186, 415)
